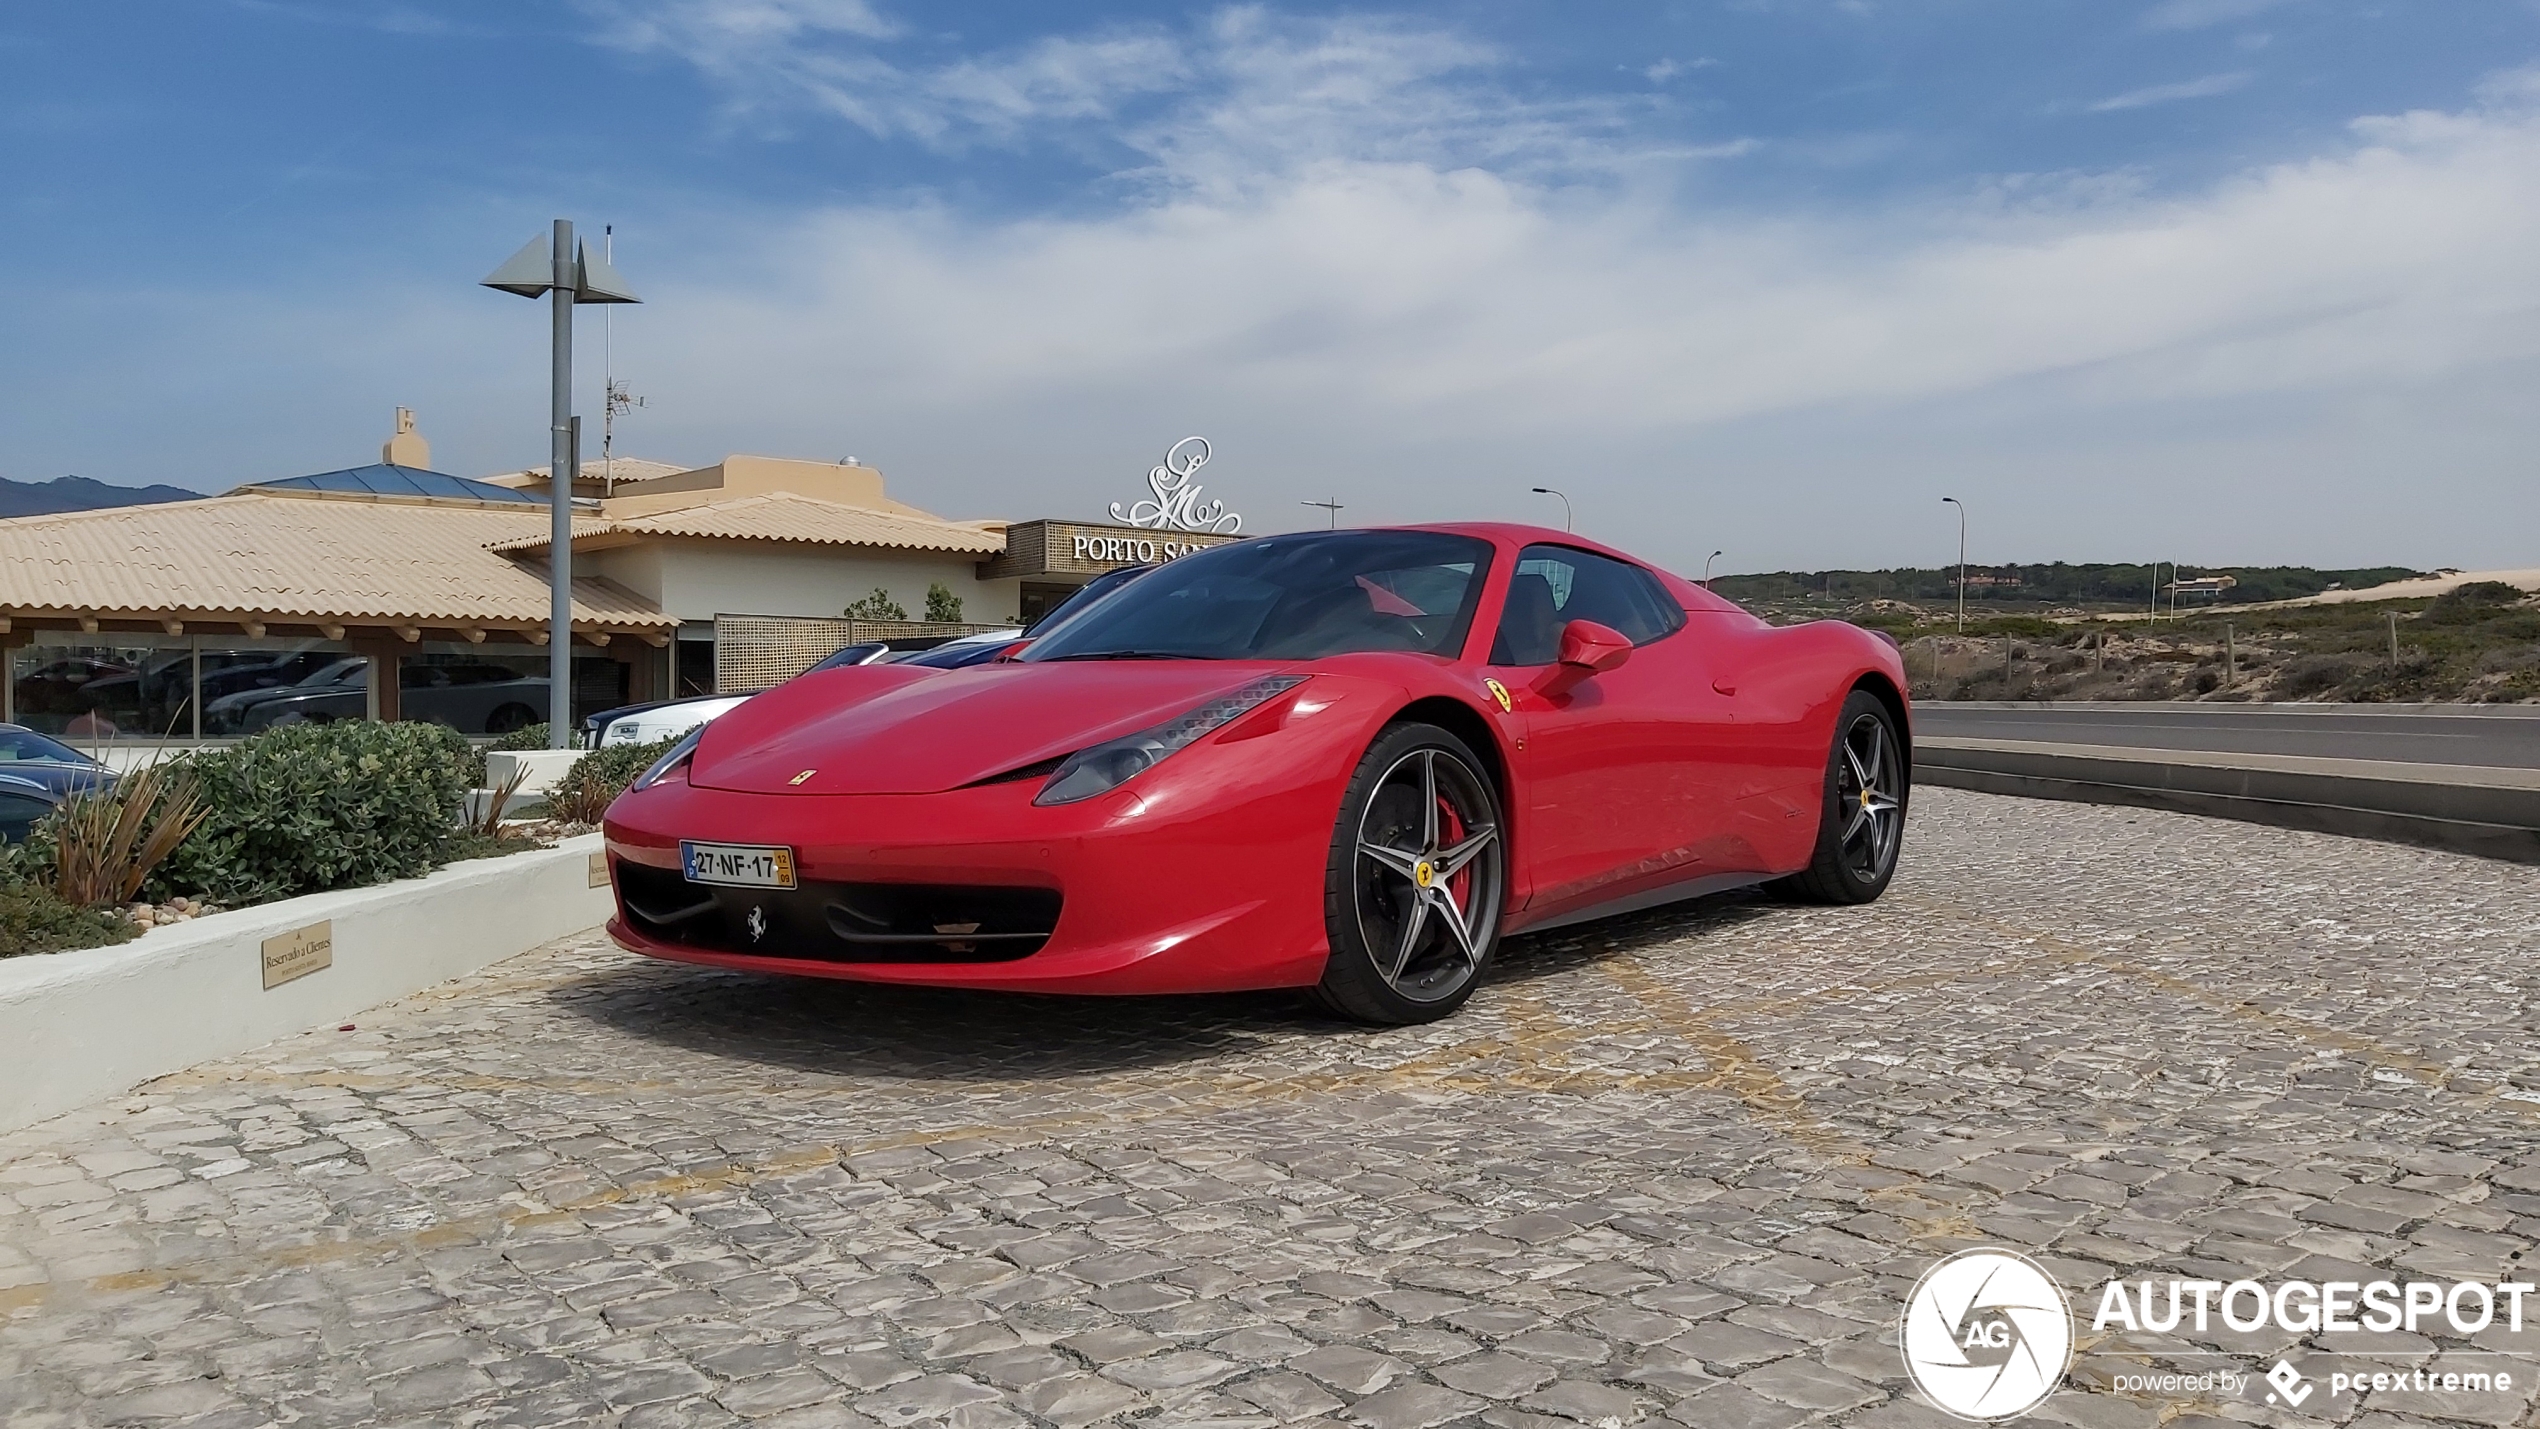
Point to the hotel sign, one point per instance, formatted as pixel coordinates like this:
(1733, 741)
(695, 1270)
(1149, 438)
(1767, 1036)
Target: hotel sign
(1075, 552)
(1127, 550)
(1175, 503)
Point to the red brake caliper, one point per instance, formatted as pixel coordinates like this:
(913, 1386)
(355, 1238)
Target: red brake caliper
(1451, 833)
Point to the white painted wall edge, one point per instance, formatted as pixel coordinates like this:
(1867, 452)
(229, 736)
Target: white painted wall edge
(79, 1026)
(543, 767)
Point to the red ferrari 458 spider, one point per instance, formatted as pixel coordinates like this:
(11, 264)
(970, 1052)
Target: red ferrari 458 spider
(1350, 761)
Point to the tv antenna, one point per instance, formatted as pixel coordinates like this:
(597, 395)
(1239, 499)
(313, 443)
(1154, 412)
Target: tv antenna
(617, 398)
(1333, 507)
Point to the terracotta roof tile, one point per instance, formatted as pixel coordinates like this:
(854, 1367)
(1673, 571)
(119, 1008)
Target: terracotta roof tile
(785, 517)
(295, 556)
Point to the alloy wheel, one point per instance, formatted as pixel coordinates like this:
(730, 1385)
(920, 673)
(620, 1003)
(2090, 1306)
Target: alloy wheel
(1429, 874)
(1868, 784)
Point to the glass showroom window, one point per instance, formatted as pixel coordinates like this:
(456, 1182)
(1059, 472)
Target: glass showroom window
(254, 685)
(91, 689)
(107, 688)
(475, 689)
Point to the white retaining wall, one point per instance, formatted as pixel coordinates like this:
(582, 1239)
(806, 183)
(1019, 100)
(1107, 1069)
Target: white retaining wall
(541, 767)
(79, 1026)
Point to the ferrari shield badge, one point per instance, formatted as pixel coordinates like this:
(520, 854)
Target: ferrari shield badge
(1498, 692)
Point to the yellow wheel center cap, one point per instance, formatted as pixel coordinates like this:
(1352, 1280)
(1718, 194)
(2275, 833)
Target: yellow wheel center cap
(1423, 874)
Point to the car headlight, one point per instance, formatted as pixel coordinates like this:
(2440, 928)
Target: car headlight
(680, 753)
(1096, 768)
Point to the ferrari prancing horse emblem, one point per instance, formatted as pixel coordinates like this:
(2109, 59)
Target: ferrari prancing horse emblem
(757, 922)
(1498, 692)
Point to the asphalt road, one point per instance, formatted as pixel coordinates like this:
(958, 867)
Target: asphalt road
(2472, 736)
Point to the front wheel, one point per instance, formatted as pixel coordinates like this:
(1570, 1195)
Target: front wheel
(1863, 826)
(1413, 887)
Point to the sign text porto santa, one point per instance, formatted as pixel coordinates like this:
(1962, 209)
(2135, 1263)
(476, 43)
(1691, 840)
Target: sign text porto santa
(1127, 550)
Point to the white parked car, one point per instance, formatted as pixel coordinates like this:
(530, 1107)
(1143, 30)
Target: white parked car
(644, 724)
(668, 720)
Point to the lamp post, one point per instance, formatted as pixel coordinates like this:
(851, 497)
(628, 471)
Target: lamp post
(558, 269)
(1962, 559)
(1706, 569)
(1565, 504)
(2156, 587)
(1333, 507)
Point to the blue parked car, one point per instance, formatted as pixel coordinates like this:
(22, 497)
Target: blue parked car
(37, 773)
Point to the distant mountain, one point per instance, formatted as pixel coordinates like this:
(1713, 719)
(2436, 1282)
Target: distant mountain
(78, 493)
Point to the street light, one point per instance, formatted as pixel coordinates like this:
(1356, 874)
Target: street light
(1333, 507)
(559, 269)
(2156, 586)
(1565, 504)
(1706, 569)
(1962, 559)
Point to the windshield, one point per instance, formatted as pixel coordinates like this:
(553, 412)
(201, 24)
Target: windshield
(17, 744)
(1288, 598)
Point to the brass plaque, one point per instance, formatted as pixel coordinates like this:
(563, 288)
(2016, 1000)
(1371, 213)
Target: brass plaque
(599, 870)
(298, 953)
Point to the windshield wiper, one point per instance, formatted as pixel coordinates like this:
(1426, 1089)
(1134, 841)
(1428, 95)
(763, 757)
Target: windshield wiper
(1131, 655)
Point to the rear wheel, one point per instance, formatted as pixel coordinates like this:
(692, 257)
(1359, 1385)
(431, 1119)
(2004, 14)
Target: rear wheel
(1863, 826)
(1413, 886)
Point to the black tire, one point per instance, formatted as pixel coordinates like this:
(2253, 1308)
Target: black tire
(509, 718)
(1858, 838)
(1413, 885)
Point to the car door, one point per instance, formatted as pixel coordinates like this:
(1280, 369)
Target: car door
(1623, 789)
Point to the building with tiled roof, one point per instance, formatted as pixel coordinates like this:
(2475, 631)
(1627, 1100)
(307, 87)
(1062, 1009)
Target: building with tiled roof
(297, 598)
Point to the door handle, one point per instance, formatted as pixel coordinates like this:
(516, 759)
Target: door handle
(1724, 687)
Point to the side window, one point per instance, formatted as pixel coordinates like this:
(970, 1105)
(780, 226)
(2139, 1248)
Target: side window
(1554, 585)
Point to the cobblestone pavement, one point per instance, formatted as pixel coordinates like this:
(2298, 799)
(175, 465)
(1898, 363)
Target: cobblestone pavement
(1682, 1166)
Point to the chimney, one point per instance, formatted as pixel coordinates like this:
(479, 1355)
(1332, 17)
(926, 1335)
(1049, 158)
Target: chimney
(407, 448)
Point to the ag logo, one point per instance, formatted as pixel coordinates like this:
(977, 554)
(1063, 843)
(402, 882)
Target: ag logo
(1987, 1334)
(1498, 692)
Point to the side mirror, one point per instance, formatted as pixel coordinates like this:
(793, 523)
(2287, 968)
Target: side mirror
(1591, 648)
(1587, 648)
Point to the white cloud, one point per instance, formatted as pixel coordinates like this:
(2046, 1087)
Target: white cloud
(1352, 320)
(1246, 92)
(1359, 280)
(2205, 88)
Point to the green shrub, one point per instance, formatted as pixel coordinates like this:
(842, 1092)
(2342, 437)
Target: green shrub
(2472, 601)
(587, 789)
(877, 606)
(310, 807)
(528, 736)
(34, 920)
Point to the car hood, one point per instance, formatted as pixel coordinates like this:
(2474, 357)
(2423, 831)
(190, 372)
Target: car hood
(886, 729)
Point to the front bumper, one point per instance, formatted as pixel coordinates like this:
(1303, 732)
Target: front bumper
(1166, 885)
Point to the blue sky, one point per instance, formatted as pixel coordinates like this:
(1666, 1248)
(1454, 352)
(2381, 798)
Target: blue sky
(2220, 280)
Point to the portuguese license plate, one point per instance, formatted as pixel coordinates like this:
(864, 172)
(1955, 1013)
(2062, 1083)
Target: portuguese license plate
(738, 865)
